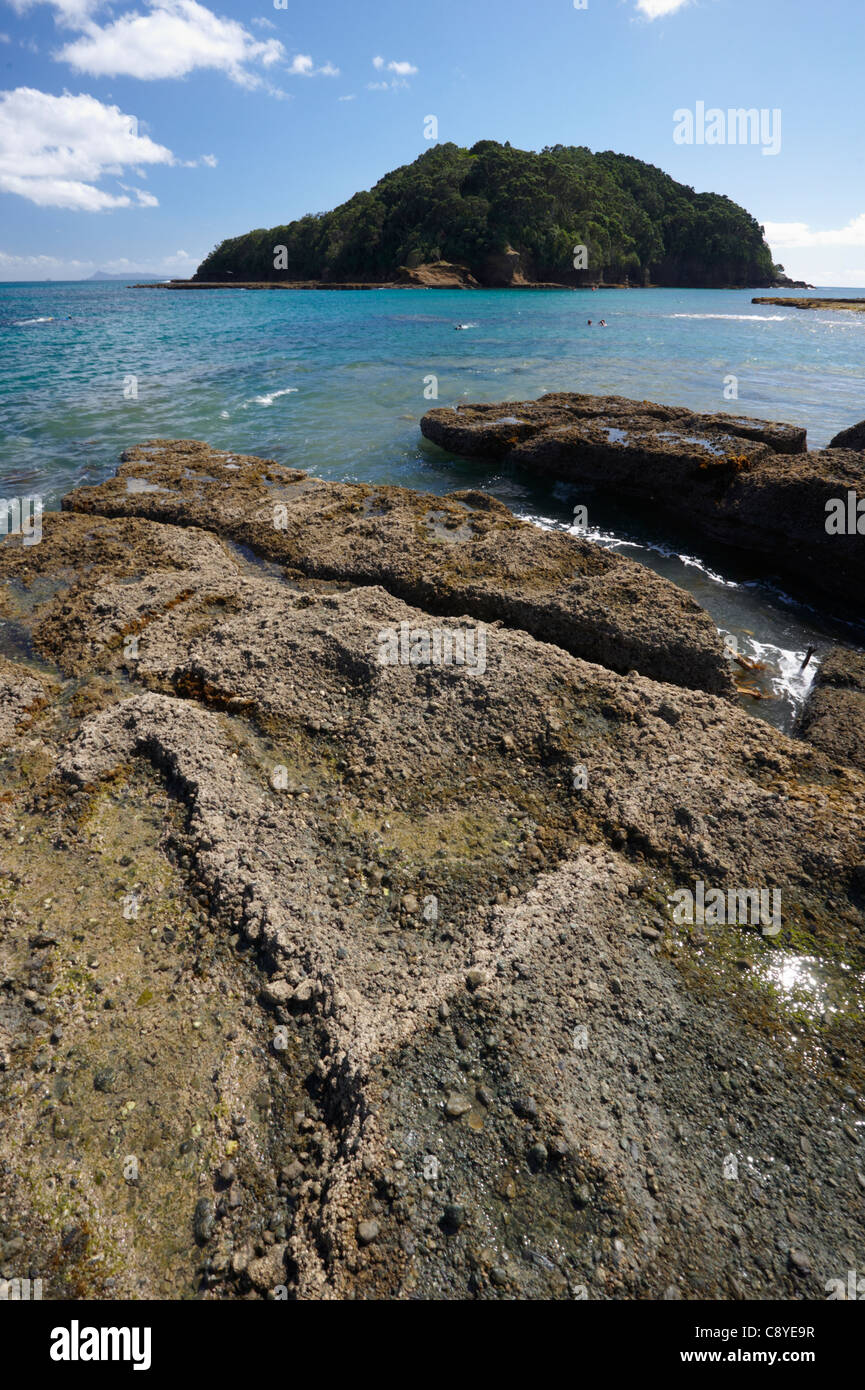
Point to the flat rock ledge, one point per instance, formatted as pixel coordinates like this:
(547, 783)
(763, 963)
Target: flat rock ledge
(750, 484)
(460, 554)
(323, 977)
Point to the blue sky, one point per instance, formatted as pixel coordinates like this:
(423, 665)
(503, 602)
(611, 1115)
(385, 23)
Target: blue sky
(136, 134)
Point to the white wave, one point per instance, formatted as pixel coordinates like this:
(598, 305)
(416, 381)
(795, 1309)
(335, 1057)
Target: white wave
(743, 318)
(25, 323)
(270, 398)
(784, 674)
(611, 541)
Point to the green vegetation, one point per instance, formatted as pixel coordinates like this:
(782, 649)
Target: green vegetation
(474, 206)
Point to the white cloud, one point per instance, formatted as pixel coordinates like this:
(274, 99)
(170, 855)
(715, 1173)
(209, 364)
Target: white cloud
(44, 263)
(175, 38)
(303, 66)
(63, 193)
(145, 199)
(171, 39)
(800, 234)
(351, 97)
(180, 257)
(72, 12)
(209, 159)
(54, 150)
(656, 9)
(178, 260)
(401, 70)
(16, 267)
(827, 258)
(4, 38)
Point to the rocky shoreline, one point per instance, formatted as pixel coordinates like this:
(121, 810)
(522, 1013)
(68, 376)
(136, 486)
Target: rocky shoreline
(333, 969)
(411, 280)
(856, 305)
(436, 275)
(749, 484)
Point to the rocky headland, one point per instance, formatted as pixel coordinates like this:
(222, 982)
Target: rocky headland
(329, 969)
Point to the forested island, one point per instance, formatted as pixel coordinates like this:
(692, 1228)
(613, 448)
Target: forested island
(498, 216)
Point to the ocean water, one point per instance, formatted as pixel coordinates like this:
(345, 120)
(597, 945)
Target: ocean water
(336, 382)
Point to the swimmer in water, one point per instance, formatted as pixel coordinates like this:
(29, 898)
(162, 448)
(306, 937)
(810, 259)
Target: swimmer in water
(589, 322)
(602, 323)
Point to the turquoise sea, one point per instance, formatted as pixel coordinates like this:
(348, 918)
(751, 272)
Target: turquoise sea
(334, 382)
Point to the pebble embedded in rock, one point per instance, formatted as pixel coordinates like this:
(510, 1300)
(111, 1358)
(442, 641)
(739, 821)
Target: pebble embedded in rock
(526, 1107)
(457, 1105)
(203, 1219)
(367, 1232)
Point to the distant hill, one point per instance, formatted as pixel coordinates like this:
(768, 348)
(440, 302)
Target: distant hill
(130, 275)
(513, 216)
